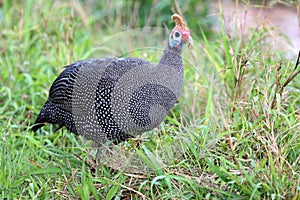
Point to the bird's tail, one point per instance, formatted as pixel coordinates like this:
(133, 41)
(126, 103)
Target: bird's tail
(36, 126)
(54, 114)
(46, 116)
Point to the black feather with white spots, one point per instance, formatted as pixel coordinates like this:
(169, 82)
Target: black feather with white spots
(114, 99)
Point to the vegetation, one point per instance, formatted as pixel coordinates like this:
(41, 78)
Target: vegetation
(233, 135)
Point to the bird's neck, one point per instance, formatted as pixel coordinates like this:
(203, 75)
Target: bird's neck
(172, 58)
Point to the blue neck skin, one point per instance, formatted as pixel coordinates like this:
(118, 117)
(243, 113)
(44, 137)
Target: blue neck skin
(175, 44)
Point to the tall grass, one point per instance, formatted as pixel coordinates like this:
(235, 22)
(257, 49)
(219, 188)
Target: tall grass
(233, 135)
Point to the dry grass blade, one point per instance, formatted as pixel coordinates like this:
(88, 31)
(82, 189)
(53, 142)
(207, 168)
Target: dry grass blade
(128, 188)
(280, 87)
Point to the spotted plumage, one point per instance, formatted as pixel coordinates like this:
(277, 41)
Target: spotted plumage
(116, 98)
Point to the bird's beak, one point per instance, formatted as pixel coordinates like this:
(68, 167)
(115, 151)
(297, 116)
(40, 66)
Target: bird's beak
(190, 41)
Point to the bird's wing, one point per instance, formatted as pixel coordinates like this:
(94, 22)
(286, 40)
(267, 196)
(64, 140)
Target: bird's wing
(61, 89)
(85, 72)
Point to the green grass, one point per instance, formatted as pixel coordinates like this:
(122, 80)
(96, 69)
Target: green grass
(233, 135)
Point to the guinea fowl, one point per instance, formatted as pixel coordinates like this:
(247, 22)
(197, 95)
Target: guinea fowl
(116, 98)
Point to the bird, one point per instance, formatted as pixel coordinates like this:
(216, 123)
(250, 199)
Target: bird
(114, 99)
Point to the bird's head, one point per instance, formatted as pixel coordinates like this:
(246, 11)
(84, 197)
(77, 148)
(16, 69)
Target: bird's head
(180, 33)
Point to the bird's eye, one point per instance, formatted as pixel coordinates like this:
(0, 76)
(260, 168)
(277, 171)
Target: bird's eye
(177, 34)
